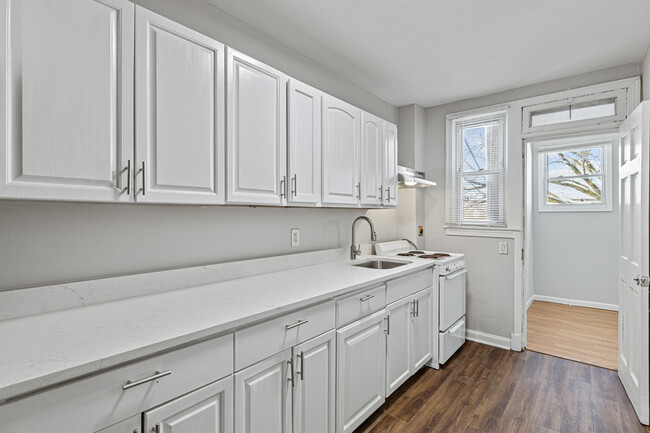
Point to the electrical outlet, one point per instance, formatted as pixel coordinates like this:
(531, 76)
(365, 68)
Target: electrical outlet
(295, 237)
(503, 247)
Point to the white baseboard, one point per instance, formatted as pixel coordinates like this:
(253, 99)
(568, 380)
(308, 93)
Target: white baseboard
(489, 339)
(575, 302)
(530, 301)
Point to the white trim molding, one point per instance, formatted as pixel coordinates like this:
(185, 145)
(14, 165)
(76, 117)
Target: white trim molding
(489, 339)
(575, 302)
(481, 232)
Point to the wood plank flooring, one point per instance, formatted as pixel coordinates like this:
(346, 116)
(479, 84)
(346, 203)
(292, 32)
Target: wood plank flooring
(485, 389)
(582, 334)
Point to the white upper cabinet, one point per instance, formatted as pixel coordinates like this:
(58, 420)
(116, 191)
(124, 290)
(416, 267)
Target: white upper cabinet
(304, 144)
(341, 139)
(390, 165)
(372, 158)
(256, 143)
(179, 113)
(67, 120)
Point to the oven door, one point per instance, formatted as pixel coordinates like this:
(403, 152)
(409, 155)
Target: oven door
(452, 298)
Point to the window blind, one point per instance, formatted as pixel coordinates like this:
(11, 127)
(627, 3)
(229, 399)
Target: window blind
(476, 169)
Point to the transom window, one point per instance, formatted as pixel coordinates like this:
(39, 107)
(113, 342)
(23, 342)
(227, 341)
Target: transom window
(574, 174)
(476, 174)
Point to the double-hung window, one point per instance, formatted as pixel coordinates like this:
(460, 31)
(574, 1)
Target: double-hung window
(476, 169)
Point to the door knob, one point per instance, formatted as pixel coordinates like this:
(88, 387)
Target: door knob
(642, 280)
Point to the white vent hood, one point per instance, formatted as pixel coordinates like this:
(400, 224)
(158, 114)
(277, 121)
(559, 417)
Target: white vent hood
(410, 178)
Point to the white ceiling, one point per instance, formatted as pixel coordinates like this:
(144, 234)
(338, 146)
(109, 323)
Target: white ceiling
(431, 52)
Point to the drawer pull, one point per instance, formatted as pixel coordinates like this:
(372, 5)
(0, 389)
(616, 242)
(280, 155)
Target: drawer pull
(295, 325)
(365, 298)
(158, 375)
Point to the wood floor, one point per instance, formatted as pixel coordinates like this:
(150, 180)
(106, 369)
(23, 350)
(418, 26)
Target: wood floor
(484, 389)
(583, 334)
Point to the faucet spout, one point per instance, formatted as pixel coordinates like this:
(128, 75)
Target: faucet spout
(355, 249)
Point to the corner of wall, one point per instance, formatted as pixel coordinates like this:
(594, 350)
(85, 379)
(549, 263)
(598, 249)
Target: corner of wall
(645, 76)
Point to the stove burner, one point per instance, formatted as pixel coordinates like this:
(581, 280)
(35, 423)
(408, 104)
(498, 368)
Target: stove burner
(416, 252)
(406, 254)
(435, 256)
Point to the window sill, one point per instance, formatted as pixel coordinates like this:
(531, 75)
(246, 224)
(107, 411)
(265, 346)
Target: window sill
(482, 232)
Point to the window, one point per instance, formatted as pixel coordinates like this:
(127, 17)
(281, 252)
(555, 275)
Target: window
(476, 169)
(575, 174)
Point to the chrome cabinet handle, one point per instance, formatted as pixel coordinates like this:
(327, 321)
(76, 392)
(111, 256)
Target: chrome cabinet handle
(358, 190)
(388, 192)
(283, 186)
(301, 356)
(158, 375)
(295, 325)
(365, 298)
(291, 378)
(387, 325)
(143, 179)
(381, 193)
(127, 190)
(417, 308)
(294, 185)
(412, 308)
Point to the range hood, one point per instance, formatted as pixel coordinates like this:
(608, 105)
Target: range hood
(409, 178)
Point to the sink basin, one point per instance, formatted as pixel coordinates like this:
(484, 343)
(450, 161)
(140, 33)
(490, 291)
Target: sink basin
(379, 264)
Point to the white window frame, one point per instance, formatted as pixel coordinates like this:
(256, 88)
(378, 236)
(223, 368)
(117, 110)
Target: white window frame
(455, 175)
(604, 141)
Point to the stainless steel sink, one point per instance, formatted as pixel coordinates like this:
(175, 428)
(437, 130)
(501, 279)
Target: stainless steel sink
(379, 264)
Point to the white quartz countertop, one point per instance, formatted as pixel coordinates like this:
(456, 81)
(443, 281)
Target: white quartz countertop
(46, 349)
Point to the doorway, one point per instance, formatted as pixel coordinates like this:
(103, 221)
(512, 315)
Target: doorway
(572, 244)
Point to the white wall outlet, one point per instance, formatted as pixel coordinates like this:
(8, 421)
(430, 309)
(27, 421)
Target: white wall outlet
(503, 247)
(295, 237)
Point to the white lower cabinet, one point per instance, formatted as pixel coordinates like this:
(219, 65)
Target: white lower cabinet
(360, 371)
(206, 410)
(409, 337)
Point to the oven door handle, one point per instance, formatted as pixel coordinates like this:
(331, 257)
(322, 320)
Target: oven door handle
(455, 275)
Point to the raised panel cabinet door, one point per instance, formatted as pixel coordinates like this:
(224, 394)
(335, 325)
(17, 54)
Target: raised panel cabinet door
(314, 400)
(399, 341)
(304, 143)
(257, 128)
(263, 394)
(372, 159)
(390, 164)
(206, 410)
(360, 371)
(67, 120)
(341, 140)
(180, 102)
(422, 329)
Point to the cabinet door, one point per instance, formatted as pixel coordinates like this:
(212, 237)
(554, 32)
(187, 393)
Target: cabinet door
(399, 341)
(372, 156)
(256, 143)
(422, 328)
(360, 371)
(131, 425)
(314, 393)
(341, 138)
(67, 119)
(206, 410)
(263, 396)
(179, 113)
(390, 164)
(304, 129)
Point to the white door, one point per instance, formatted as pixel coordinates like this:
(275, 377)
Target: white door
(422, 349)
(372, 160)
(206, 410)
(304, 144)
(179, 113)
(256, 139)
(390, 165)
(399, 341)
(634, 223)
(341, 139)
(263, 396)
(360, 371)
(314, 396)
(67, 116)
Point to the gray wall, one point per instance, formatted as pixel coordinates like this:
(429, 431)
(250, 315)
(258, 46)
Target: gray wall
(575, 253)
(646, 76)
(491, 275)
(44, 243)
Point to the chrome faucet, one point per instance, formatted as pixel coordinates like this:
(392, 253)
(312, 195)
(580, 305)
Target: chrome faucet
(356, 249)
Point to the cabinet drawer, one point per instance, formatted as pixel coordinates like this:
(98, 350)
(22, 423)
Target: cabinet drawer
(360, 305)
(99, 401)
(260, 341)
(405, 286)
